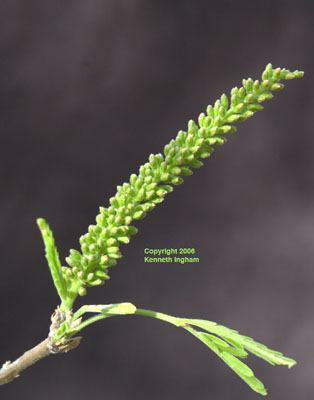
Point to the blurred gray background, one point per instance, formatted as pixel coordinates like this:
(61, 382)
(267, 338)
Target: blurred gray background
(88, 90)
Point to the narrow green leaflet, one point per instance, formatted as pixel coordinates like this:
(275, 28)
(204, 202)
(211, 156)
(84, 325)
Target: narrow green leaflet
(243, 342)
(228, 344)
(233, 345)
(108, 309)
(238, 366)
(52, 257)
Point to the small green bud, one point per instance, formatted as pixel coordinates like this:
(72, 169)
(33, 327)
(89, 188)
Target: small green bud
(186, 171)
(234, 91)
(239, 108)
(224, 101)
(248, 114)
(133, 179)
(163, 166)
(241, 93)
(96, 282)
(234, 100)
(101, 220)
(104, 259)
(92, 248)
(149, 194)
(213, 130)
(140, 195)
(194, 149)
(115, 255)
(128, 220)
(112, 262)
(175, 170)
(76, 255)
(276, 86)
(227, 128)
(159, 158)
(233, 118)
(123, 239)
(265, 84)
(265, 96)
(220, 140)
(195, 163)
(216, 107)
(161, 193)
(287, 75)
(142, 171)
(148, 206)
(269, 69)
(247, 84)
(152, 160)
(265, 75)
(151, 186)
(189, 140)
(207, 122)
(255, 107)
(192, 127)
(210, 141)
(217, 121)
(180, 139)
(168, 160)
(82, 291)
(122, 200)
(201, 119)
(205, 154)
(139, 183)
(276, 73)
(221, 112)
(90, 276)
(190, 157)
(165, 177)
(249, 98)
(110, 211)
(102, 275)
(256, 85)
(131, 230)
(199, 142)
(177, 181)
(138, 214)
(111, 219)
(202, 133)
(111, 241)
(242, 117)
(210, 111)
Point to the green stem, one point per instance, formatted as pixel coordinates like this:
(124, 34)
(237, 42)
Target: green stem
(90, 321)
(163, 317)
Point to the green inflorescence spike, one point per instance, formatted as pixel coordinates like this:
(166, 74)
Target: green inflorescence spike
(156, 177)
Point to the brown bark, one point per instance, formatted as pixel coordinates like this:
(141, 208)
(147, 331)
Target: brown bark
(10, 371)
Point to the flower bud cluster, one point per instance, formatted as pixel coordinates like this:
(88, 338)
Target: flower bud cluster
(101, 245)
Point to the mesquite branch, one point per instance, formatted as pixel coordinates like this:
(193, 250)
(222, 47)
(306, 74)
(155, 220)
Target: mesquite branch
(10, 371)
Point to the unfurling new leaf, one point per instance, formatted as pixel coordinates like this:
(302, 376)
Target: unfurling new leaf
(53, 259)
